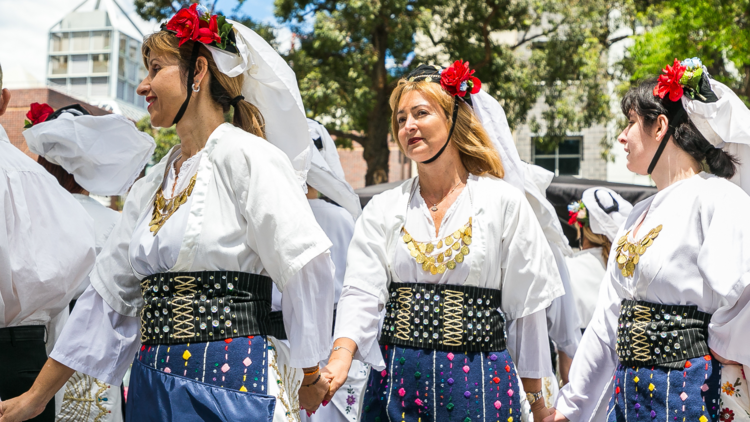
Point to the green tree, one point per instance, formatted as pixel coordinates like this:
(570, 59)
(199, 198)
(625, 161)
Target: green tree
(341, 66)
(716, 31)
(524, 50)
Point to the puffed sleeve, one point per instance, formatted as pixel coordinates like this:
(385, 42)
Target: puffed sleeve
(596, 359)
(46, 242)
(724, 262)
(281, 227)
(562, 315)
(113, 277)
(365, 285)
(529, 277)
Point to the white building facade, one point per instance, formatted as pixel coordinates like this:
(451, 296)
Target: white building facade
(94, 54)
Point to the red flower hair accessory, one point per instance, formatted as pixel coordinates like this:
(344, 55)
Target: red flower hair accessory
(37, 114)
(196, 24)
(669, 82)
(457, 79)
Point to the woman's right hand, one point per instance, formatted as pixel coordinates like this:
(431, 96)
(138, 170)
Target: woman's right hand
(336, 372)
(555, 416)
(21, 408)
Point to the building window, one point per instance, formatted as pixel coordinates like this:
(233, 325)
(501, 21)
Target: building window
(59, 65)
(60, 42)
(101, 63)
(58, 82)
(100, 40)
(79, 64)
(100, 86)
(123, 44)
(79, 87)
(564, 160)
(80, 41)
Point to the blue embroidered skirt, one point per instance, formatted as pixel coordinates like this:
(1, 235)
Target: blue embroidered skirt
(430, 385)
(662, 394)
(214, 381)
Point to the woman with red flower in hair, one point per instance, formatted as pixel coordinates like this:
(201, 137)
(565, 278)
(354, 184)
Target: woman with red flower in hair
(675, 295)
(456, 258)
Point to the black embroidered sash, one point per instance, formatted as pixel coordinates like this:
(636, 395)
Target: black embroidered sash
(653, 334)
(444, 317)
(184, 307)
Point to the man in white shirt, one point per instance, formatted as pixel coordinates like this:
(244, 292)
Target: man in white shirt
(46, 251)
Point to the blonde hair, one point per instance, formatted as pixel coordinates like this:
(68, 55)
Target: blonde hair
(1, 77)
(474, 146)
(598, 240)
(222, 87)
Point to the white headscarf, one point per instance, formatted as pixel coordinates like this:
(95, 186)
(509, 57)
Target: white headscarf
(326, 174)
(726, 125)
(596, 200)
(493, 119)
(536, 182)
(105, 154)
(271, 85)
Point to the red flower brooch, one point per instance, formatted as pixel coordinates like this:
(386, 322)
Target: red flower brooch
(669, 82)
(37, 114)
(198, 25)
(457, 79)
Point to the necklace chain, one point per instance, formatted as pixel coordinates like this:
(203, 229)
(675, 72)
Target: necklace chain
(434, 207)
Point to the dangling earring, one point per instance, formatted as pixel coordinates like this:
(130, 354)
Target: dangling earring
(197, 89)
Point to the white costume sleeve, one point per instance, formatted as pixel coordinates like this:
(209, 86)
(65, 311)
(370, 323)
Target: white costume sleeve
(562, 316)
(46, 241)
(596, 360)
(530, 280)
(525, 335)
(358, 319)
(307, 305)
(724, 263)
(98, 341)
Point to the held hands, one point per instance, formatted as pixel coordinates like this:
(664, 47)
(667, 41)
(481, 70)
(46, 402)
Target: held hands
(313, 390)
(336, 373)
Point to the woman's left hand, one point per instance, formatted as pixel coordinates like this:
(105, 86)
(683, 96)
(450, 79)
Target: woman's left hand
(311, 396)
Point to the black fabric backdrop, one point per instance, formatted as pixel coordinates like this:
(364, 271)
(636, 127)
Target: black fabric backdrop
(562, 191)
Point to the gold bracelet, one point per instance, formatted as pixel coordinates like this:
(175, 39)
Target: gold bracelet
(313, 372)
(342, 347)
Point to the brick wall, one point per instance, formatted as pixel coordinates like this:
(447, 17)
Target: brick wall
(20, 100)
(355, 166)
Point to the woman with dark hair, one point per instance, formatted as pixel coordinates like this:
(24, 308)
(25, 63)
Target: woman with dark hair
(675, 295)
(456, 258)
(185, 280)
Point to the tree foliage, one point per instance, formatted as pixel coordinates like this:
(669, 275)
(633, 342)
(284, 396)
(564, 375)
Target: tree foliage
(525, 51)
(341, 66)
(716, 31)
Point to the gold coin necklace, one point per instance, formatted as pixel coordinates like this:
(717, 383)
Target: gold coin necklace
(434, 207)
(165, 208)
(457, 248)
(629, 254)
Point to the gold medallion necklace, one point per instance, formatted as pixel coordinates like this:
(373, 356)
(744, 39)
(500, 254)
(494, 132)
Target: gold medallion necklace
(458, 242)
(629, 254)
(165, 208)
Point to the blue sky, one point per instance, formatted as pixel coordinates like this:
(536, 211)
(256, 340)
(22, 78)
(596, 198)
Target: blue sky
(24, 26)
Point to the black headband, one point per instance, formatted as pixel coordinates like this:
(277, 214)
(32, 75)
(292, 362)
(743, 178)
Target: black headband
(431, 73)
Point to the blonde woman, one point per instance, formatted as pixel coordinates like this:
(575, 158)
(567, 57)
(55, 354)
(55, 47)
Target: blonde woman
(456, 257)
